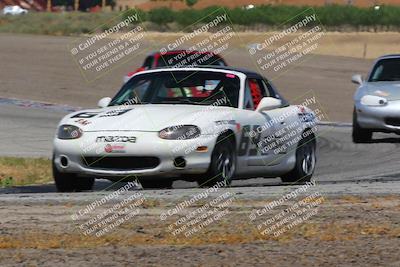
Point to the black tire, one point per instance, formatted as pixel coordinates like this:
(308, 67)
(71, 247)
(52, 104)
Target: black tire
(157, 184)
(305, 162)
(359, 134)
(65, 182)
(84, 183)
(69, 182)
(223, 163)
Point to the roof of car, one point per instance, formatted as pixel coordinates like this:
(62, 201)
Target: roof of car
(242, 70)
(390, 56)
(183, 50)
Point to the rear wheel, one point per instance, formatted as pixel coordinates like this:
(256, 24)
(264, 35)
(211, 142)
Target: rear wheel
(305, 162)
(223, 163)
(359, 134)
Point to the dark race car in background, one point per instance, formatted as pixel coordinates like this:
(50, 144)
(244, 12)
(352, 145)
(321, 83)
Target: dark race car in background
(178, 58)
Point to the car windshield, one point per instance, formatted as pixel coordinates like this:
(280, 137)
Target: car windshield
(386, 70)
(189, 59)
(180, 87)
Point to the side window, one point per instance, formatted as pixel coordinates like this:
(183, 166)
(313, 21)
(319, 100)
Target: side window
(148, 62)
(273, 92)
(270, 89)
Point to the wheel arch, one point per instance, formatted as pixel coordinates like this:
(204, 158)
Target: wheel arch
(312, 135)
(228, 134)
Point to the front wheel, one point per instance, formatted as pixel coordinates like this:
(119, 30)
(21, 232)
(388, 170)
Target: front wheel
(359, 134)
(69, 182)
(65, 182)
(305, 162)
(223, 164)
(84, 183)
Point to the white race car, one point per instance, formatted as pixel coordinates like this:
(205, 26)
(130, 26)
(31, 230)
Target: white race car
(14, 10)
(206, 124)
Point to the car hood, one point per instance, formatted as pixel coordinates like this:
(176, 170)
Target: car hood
(149, 117)
(388, 90)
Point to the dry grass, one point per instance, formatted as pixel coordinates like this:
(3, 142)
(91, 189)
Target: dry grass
(335, 222)
(348, 44)
(23, 171)
(320, 232)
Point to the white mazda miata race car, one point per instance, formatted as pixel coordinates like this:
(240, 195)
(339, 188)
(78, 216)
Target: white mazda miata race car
(204, 124)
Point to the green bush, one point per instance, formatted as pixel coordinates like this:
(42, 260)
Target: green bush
(142, 14)
(187, 17)
(190, 3)
(331, 15)
(161, 15)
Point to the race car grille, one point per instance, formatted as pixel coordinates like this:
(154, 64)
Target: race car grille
(121, 163)
(393, 121)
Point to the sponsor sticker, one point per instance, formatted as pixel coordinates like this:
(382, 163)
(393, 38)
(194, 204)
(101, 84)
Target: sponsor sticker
(115, 148)
(83, 122)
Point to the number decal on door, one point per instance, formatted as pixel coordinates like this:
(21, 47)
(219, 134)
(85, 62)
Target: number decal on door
(249, 140)
(244, 141)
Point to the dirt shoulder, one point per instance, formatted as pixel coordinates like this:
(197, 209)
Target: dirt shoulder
(346, 231)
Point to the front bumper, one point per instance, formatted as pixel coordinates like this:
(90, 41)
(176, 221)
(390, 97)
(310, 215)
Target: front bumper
(379, 118)
(70, 156)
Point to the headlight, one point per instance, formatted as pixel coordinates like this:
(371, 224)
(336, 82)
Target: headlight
(69, 132)
(180, 132)
(372, 100)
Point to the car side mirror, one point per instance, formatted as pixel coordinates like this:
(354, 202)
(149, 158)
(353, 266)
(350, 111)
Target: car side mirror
(357, 79)
(104, 102)
(268, 103)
